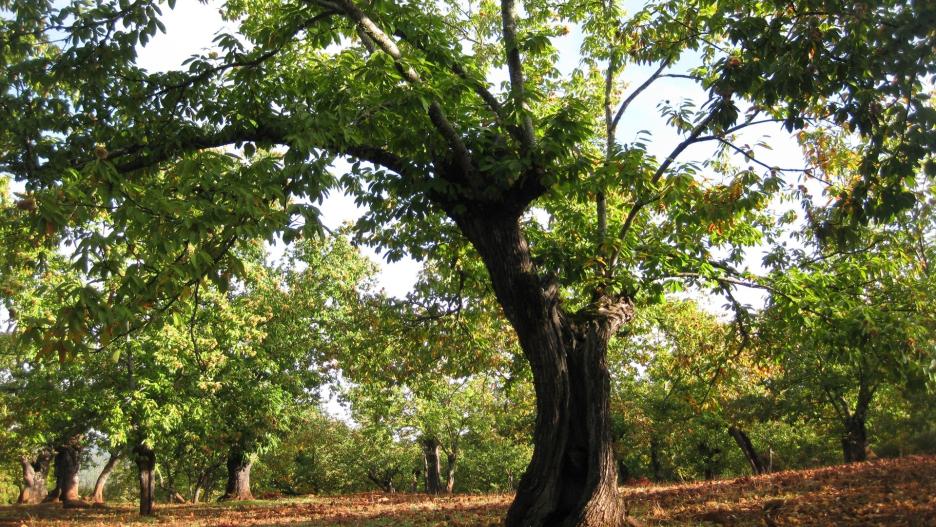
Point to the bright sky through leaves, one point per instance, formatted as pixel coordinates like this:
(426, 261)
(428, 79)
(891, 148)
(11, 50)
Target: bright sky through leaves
(191, 27)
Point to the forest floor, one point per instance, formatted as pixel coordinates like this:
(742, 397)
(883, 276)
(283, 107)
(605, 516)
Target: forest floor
(900, 492)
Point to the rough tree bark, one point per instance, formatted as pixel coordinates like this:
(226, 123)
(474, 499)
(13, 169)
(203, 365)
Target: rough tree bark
(433, 473)
(572, 478)
(238, 480)
(146, 465)
(451, 458)
(744, 443)
(98, 495)
(34, 478)
(66, 466)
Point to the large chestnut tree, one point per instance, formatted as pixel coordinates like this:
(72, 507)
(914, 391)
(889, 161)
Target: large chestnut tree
(170, 169)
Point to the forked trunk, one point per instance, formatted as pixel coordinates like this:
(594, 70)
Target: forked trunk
(744, 443)
(67, 464)
(433, 473)
(98, 496)
(451, 459)
(855, 433)
(383, 478)
(34, 478)
(855, 440)
(572, 478)
(204, 477)
(146, 465)
(238, 480)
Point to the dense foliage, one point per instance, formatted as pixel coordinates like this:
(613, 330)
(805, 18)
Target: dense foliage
(149, 321)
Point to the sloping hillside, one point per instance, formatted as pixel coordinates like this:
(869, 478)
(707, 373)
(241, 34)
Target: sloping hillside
(881, 493)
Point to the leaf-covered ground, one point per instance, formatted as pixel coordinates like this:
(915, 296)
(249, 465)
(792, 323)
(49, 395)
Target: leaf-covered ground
(881, 493)
(898, 492)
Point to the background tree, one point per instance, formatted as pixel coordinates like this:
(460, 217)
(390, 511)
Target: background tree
(844, 346)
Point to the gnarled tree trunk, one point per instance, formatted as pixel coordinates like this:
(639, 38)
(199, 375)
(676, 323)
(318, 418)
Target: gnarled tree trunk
(98, 496)
(744, 443)
(66, 466)
(145, 460)
(572, 478)
(238, 480)
(433, 473)
(34, 478)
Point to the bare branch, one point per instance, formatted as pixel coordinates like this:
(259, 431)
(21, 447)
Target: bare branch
(725, 280)
(754, 160)
(639, 204)
(601, 200)
(476, 85)
(741, 126)
(515, 69)
(681, 76)
(388, 46)
(271, 132)
(630, 98)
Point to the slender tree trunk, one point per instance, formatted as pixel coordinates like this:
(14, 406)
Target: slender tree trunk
(744, 443)
(451, 459)
(209, 489)
(572, 478)
(238, 480)
(431, 455)
(146, 465)
(205, 476)
(656, 467)
(34, 478)
(67, 464)
(98, 496)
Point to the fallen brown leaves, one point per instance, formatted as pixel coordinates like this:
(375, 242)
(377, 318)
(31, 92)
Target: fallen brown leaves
(898, 492)
(358, 510)
(882, 493)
